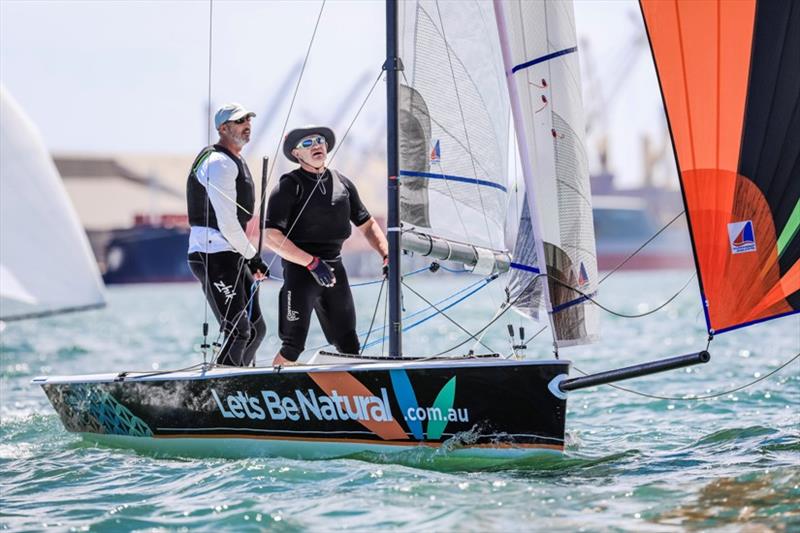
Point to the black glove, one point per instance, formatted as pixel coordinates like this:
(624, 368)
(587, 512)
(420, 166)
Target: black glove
(256, 264)
(385, 268)
(322, 272)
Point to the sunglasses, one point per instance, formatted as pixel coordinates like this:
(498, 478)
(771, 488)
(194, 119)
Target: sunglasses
(308, 142)
(241, 120)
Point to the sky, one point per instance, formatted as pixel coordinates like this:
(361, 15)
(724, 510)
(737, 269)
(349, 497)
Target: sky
(133, 76)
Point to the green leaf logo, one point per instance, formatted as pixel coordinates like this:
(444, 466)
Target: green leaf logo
(442, 405)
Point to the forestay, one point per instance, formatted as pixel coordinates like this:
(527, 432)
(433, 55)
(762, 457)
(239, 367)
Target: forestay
(46, 264)
(539, 48)
(453, 118)
(730, 78)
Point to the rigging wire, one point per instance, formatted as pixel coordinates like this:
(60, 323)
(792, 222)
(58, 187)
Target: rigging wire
(472, 290)
(206, 305)
(441, 312)
(705, 397)
(374, 312)
(640, 248)
(318, 182)
(469, 287)
(296, 88)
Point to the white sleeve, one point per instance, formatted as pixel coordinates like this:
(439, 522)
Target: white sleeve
(222, 172)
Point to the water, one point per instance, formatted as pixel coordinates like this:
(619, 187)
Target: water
(632, 463)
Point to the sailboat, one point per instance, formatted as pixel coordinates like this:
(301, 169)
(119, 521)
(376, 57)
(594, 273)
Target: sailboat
(37, 220)
(458, 76)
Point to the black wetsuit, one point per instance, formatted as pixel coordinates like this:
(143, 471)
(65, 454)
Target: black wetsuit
(320, 230)
(227, 280)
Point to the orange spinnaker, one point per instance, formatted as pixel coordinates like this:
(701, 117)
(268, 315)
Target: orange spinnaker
(702, 51)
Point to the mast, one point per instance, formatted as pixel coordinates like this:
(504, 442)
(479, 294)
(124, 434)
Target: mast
(391, 67)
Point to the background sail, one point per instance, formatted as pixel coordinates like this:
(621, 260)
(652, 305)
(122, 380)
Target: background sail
(730, 78)
(540, 54)
(46, 264)
(453, 122)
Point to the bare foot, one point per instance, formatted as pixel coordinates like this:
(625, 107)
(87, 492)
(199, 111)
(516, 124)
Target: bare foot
(280, 360)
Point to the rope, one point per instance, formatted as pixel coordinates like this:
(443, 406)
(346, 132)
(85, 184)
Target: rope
(363, 103)
(374, 312)
(706, 397)
(640, 248)
(608, 274)
(616, 313)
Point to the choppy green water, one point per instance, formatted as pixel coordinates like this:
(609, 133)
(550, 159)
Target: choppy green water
(632, 463)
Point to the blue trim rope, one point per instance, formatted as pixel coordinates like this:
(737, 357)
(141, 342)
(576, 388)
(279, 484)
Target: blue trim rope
(448, 177)
(548, 57)
(526, 268)
(576, 301)
(758, 321)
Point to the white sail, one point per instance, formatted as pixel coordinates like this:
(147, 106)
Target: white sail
(539, 47)
(46, 264)
(453, 122)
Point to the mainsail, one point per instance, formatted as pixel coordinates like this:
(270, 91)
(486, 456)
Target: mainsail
(453, 121)
(539, 47)
(46, 264)
(730, 79)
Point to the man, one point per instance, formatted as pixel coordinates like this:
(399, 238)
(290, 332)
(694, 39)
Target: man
(221, 200)
(308, 219)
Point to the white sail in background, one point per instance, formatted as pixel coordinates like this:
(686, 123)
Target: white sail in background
(453, 122)
(46, 264)
(539, 45)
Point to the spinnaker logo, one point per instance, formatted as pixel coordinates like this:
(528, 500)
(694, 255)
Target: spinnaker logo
(742, 237)
(307, 405)
(436, 153)
(583, 277)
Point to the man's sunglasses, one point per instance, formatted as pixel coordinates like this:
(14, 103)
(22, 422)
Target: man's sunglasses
(241, 120)
(308, 142)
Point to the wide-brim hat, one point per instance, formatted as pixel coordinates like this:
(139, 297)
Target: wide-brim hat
(294, 136)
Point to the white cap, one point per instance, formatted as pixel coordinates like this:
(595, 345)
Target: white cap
(232, 111)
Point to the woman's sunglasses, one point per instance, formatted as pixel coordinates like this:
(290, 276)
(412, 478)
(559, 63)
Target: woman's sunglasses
(308, 142)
